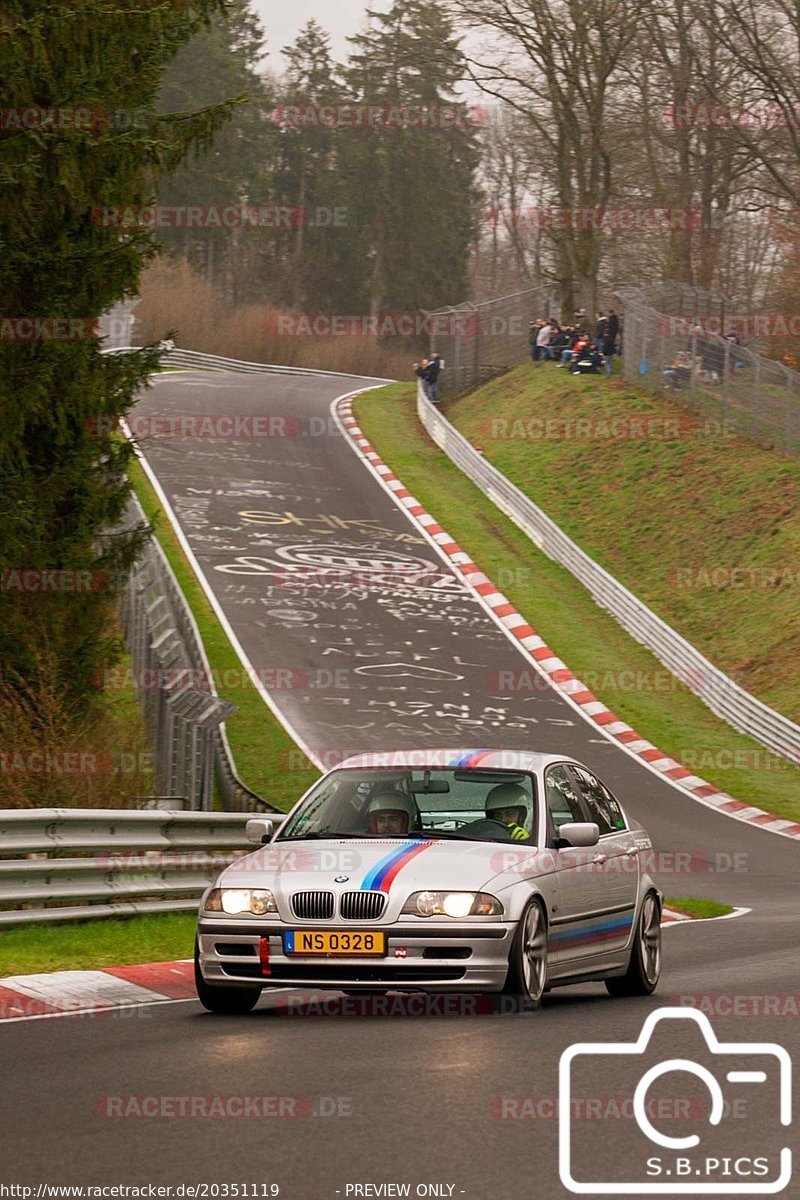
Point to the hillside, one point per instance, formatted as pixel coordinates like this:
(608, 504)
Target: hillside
(705, 528)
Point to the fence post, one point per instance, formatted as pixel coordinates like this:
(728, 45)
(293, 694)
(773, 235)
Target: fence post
(789, 398)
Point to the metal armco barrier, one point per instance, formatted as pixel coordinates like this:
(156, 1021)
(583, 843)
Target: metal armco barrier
(67, 864)
(184, 716)
(722, 695)
(215, 362)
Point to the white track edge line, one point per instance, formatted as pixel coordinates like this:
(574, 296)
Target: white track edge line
(210, 595)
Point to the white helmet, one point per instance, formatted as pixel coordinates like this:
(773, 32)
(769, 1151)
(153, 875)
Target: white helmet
(393, 801)
(508, 795)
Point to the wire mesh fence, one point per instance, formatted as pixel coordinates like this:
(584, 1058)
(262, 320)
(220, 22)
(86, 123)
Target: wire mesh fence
(477, 341)
(674, 342)
(184, 717)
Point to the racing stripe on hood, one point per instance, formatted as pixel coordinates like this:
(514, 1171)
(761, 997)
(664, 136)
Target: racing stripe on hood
(383, 874)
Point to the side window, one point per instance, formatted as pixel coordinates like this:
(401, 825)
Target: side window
(563, 801)
(603, 807)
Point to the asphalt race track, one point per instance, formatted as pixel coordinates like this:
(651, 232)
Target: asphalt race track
(286, 530)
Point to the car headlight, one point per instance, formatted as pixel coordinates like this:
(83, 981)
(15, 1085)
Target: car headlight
(234, 901)
(453, 904)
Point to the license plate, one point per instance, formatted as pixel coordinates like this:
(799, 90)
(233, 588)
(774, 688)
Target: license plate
(334, 945)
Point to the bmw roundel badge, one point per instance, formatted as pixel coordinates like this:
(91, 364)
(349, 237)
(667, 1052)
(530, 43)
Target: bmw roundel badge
(341, 879)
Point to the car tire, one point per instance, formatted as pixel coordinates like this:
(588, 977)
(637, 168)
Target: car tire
(644, 967)
(235, 1000)
(527, 962)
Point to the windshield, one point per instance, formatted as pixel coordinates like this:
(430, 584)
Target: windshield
(475, 805)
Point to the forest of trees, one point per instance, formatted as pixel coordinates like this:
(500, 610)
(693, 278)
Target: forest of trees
(606, 142)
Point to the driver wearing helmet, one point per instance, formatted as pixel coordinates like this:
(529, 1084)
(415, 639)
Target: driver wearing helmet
(507, 803)
(392, 812)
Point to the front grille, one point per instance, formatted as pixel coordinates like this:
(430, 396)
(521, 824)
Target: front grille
(313, 906)
(362, 906)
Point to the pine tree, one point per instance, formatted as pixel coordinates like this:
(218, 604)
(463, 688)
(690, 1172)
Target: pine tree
(61, 464)
(306, 177)
(413, 189)
(224, 60)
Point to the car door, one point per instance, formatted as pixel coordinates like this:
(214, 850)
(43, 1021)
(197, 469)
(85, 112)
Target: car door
(581, 898)
(617, 880)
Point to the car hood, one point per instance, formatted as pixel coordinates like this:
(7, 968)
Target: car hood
(384, 864)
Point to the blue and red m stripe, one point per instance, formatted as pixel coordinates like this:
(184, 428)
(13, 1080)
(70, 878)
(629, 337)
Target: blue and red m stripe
(381, 877)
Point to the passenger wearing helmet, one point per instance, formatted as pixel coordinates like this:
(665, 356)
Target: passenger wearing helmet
(393, 813)
(508, 804)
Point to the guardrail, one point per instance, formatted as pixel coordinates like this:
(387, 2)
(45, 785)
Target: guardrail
(215, 362)
(73, 864)
(722, 695)
(184, 716)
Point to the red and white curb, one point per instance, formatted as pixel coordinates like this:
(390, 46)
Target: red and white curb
(68, 993)
(539, 653)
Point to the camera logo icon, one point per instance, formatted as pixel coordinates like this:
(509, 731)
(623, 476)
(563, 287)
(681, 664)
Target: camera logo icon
(722, 1137)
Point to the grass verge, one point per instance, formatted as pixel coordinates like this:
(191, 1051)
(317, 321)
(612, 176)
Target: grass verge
(85, 945)
(701, 525)
(589, 640)
(266, 758)
(699, 909)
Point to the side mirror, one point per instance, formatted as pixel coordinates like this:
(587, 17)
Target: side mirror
(577, 833)
(259, 830)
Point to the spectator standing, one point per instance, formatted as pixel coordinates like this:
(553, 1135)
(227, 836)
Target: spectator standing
(432, 372)
(608, 346)
(533, 333)
(543, 341)
(600, 329)
(421, 372)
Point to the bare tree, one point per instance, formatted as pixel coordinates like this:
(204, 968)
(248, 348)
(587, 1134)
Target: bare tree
(555, 61)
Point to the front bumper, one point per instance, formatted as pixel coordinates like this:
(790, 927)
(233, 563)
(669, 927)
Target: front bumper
(439, 956)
